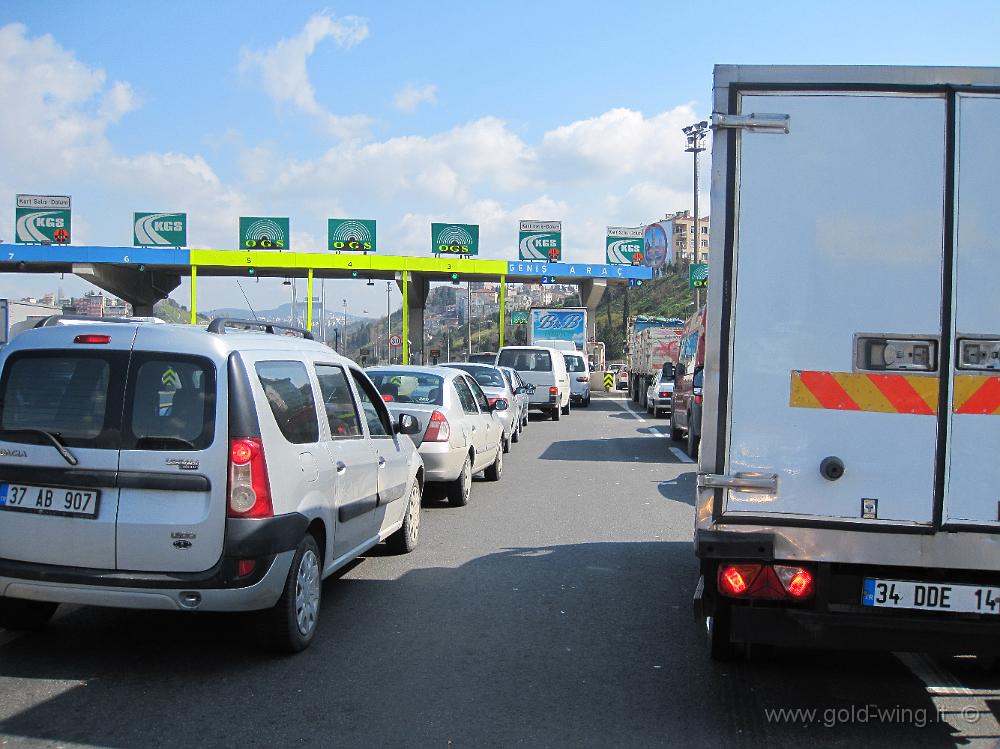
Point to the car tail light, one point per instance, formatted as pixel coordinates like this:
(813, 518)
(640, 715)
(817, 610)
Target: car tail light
(249, 487)
(493, 401)
(387, 398)
(438, 430)
(92, 338)
(583, 379)
(553, 391)
(765, 581)
(797, 581)
(664, 393)
(697, 396)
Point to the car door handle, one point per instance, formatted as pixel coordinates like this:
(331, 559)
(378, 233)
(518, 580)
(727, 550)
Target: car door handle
(341, 466)
(381, 462)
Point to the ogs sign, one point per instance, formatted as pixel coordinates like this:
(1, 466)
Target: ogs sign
(350, 235)
(264, 233)
(455, 239)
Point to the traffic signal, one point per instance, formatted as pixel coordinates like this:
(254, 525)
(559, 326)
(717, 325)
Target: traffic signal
(251, 272)
(454, 278)
(354, 274)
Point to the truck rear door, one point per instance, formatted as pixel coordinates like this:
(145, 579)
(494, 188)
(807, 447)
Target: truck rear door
(973, 471)
(836, 259)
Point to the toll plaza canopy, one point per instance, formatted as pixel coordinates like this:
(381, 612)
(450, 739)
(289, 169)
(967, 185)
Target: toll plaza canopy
(143, 276)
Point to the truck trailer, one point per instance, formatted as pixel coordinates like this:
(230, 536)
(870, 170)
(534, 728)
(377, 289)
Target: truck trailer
(847, 492)
(652, 342)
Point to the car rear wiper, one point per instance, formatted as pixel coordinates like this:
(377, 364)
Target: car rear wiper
(52, 437)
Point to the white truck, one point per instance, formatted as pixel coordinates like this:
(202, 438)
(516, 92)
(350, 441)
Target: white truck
(16, 317)
(848, 486)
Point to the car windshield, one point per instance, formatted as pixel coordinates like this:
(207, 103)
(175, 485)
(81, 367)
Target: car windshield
(487, 377)
(575, 364)
(398, 386)
(526, 360)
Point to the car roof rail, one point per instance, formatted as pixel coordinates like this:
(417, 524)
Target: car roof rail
(221, 324)
(51, 320)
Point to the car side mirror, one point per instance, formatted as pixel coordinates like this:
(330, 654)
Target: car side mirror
(500, 404)
(520, 390)
(406, 424)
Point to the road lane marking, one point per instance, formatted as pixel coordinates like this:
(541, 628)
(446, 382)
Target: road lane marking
(966, 710)
(681, 455)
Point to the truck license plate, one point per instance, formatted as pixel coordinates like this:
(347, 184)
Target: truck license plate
(49, 500)
(907, 594)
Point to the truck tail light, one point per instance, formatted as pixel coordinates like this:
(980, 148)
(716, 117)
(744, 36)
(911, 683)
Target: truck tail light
(249, 487)
(765, 581)
(438, 429)
(696, 394)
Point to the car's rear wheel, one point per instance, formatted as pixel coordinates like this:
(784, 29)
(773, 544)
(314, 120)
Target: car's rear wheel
(516, 436)
(495, 471)
(18, 614)
(505, 443)
(556, 413)
(586, 402)
(291, 625)
(567, 407)
(405, 539)
(676, 433)
(692, 440)
(460, 489)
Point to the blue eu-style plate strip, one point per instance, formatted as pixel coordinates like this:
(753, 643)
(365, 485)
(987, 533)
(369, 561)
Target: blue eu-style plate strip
(3, 494)
(868, 598)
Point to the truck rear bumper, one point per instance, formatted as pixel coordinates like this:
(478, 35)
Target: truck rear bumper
(860, 631)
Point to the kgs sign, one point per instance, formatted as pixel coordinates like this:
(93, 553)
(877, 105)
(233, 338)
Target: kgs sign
(159, 229)
(264, 233)
(42, 219)
(455, 239)
(540, 240)
(623, 245)
(351, 235)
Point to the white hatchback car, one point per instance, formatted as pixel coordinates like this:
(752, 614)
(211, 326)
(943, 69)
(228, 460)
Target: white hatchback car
(173, 467)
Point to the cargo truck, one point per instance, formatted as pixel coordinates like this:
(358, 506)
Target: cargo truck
(848, 477)
(652, 342)
(16, 317)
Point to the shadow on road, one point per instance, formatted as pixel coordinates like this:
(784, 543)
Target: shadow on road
(610, 449)
(680, 489)
(586, 645)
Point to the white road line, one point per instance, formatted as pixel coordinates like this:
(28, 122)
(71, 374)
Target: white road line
(681, 455)
(624, 403)
(966, 710)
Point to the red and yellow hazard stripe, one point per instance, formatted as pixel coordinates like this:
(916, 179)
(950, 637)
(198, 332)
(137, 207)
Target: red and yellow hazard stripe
(865, 391)
(977, 394)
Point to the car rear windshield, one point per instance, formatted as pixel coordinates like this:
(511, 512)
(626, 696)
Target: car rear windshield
(575, 364)
(526, 360)
(102, 400)
(408, 387)
(487, 377)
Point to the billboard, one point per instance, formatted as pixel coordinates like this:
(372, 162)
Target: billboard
(540, 240)
(657, 248)
(567, 324)
(623, 245)
(350, 235)
(264, 233)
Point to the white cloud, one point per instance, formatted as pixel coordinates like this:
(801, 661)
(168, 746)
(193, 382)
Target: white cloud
(410, 97)
(285, 77)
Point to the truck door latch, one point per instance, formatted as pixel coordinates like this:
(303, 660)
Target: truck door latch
(743, 481)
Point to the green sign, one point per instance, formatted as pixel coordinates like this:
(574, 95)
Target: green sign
(540, 240)
(159, 230)
(698, 275)
(350, 235)
(455, 239)
(518, 318)
(42, 219)
(623, 245)
(264, 233)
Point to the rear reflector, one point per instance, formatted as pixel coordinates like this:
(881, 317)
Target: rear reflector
(438, 429)
(92, 338)
(244, 567)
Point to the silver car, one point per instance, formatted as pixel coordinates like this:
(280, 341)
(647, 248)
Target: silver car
(579, 378)
(521, 390)
(461, 432)
(495, 385)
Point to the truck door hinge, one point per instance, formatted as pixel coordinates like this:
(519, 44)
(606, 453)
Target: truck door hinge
(766, 483)
(762, 123)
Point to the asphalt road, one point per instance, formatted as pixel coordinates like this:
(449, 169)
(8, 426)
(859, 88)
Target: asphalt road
(553, 611)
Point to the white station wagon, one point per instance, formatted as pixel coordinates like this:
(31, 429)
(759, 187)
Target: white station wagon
(173, 467)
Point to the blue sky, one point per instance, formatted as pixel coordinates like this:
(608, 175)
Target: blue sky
(403, 112)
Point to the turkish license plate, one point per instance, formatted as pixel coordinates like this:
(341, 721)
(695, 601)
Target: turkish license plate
(907, 594)
(49, 500)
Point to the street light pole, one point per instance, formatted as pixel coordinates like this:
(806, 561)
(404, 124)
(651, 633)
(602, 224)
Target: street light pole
(388, 323)
(468, 327)
(695, 138)
(344, 352)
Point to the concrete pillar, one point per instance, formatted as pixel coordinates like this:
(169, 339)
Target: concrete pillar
(415, 300)
(591, 292)
(140, 288)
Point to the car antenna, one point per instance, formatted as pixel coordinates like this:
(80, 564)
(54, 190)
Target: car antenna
(247, 300)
